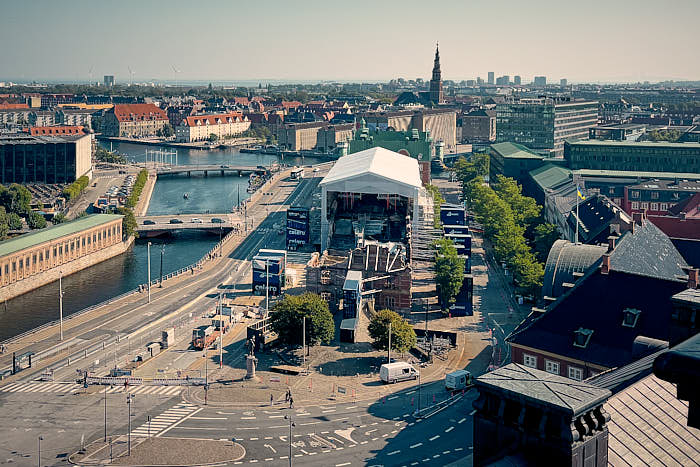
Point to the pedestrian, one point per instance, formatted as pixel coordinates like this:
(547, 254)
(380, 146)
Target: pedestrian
(272, 400)
(291, 402)
(286, 396)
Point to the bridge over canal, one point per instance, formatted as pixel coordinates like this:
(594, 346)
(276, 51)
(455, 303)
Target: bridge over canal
(207, 169)
(151, 226)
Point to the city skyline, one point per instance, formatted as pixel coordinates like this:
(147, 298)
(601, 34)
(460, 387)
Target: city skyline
(220, 42)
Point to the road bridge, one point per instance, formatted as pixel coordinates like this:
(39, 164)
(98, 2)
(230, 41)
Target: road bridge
(151, 226)
(206, 169)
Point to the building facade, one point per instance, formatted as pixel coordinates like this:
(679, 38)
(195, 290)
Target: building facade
(633, 156)
(45, 159)
(28, 255)
(478, 126)
(299, 136)
(441, 123)
(134, 120)
(200, 127)
(329, 138)
(544, 124)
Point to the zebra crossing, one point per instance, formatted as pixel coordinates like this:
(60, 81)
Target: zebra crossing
(163, 422)
(71, 388)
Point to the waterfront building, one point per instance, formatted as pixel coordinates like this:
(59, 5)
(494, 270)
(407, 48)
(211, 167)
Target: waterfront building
(44, 159)
(543, 124)
(633, 156)
(134, 120)
(436, 95)
(27, 261)
(299, 136)
(199, 127)
(328, 139)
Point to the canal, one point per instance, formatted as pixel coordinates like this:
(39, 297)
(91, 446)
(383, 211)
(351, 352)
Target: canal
(125, 272)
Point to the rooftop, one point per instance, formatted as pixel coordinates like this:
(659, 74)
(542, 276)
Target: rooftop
(551, 176)
(626, 174)
(61, 230)
(544, 389)
(636, 144)
(514, 150)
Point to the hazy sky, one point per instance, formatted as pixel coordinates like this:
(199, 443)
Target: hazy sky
(585, 40)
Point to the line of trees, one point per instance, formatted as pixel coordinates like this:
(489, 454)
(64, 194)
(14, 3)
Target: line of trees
(136, 190)
(76, 188)
(438, 200)
(449, 271)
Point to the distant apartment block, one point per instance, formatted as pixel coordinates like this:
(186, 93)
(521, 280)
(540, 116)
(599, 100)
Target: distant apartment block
(543, 124)
(200, 127)
(44, 159)
(299, 136)
(109, 81)
(540, 81)
(633, 156)
(478, 126)
(134, 120)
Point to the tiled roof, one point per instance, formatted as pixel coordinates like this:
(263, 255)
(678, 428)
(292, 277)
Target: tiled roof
(214, 119)
(649, 426)
(138, 112)
(57, 130)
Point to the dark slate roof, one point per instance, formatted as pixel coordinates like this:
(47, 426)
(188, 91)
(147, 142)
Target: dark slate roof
(649, 426)
(647, 252)
(565, 259)
(688, 296)
(595, 214)
(618, 379)
(543, 389)
(597, 302)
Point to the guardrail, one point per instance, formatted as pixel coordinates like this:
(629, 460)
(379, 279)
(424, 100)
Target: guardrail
(437, 407)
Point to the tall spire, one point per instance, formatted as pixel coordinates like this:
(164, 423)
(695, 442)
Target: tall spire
(436, 81)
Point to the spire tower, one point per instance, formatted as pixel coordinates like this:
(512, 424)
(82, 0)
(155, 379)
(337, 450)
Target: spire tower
(436, 95)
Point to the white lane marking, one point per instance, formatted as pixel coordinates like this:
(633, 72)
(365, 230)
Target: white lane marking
(413, 446)
(434, 438)
(208, 418)
(459, 449)
(393, 452)
(462, 420)
(247, 418)
(275, 416)
(392, 398)
(309, 423)
(341, 465)
(449, 429)
(197, 428)
(327, 411)
(177, 423)
(370, 431)
(472, 413)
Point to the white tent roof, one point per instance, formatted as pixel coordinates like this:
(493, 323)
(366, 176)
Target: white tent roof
(376, 170)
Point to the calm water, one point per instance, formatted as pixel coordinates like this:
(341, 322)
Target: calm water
(127, 271)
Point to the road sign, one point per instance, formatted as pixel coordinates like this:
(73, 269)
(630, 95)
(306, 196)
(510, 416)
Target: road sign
(341, 390)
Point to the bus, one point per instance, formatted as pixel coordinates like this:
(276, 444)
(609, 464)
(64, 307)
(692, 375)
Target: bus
(297, 173)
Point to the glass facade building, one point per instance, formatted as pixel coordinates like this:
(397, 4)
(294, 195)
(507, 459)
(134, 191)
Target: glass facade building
(542, 125)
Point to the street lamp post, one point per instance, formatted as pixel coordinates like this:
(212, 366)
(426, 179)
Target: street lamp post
(129, 398)
(291, 424)
(162, 252)
(105, 439)
(389, 347)
(39, 460)
(60, 303)
(267, 286)
(148, 253)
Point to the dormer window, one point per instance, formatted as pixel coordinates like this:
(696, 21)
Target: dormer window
(581, 337)
(630, 316)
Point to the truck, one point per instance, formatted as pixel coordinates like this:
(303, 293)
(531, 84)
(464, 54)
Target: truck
(460, 379)
(221, 323)
(397, 371)
(204, 336)
(167, 337)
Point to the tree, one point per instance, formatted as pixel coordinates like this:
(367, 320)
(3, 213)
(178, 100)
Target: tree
(212, 138)
(287, 316)
(403, 337)
(438, 200)
(36, 221)
(14, 222)
(468, 170)
(544, 237)
(4, 228)
(59, 218)
(128, 222)
(524, 208)
(167, 130)
(527, 273)
(16, 199)
(449, 271)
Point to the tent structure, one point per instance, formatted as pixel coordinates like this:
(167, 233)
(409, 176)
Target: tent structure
(372, 171)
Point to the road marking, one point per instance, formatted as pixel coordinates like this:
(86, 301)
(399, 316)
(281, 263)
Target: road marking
(370, 431)
(339, 419)
(411, 424)
(375, 439)
(269, 459)
(256, 428)
(341, 465)
(254, 439)
(413, 446)
(462, 420)
(471, 414)
(410, 392)
(328, 411)
(434, 438)
(197, 428)
(364, 442)
(449, 429)
(275, 416)
(208, 418)
(392, 398)
(247, 418)
(459, 449)
(309, 423)
(393, 453)
(445, 452)
(274, 451)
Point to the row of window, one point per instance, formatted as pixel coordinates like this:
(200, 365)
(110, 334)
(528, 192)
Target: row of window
(551, 366)
(651, 206)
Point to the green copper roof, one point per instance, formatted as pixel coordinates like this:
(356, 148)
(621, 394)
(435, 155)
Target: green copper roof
(514, 150)
(550, 176)
(61, 230)
(643, 144)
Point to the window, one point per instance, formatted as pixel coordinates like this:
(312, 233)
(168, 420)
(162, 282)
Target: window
(635, 194)
(581, 337)
(575, 373)
(663, 206)
(635, 205)
(630, 316)
(390, 302)
(551, 367)
(645, 205)
(654, 195)
(654, 206)
(530, 360)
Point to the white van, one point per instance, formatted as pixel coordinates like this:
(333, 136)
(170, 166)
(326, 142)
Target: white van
(397, 371)
(460, 379)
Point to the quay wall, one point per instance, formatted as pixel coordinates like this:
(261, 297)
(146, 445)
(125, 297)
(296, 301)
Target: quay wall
(27, 285)
(145, 198)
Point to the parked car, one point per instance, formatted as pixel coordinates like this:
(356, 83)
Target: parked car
(175, 221)
(149, 222)
(216, 220)
(196, 220)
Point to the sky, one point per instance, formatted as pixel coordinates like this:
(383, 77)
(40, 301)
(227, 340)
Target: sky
(583, 41)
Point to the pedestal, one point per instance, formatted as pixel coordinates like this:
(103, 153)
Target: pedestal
(250, 363)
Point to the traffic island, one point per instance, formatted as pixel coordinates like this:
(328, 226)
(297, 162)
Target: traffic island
(160, 451)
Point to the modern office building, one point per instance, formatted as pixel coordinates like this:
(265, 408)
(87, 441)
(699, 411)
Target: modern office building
(540, 81)
(109, 81)
(517, 80)
(491, 77)
(478, 126)
(563, 82)
(542, 124)
(134, 120)
(633, 156)
(44, 159)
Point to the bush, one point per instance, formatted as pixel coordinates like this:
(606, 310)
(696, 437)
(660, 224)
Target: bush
(59, 218)
(14, 222)
(75, 189)
(403, 337)
(128, 222)
(36, 221)
(449, 271)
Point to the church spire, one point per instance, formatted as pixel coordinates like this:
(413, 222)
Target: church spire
(436, 81)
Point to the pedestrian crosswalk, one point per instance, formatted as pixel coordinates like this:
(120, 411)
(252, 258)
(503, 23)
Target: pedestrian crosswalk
(163, 422)
(71, 388)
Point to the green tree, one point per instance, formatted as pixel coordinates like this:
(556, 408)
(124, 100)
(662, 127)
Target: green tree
(36, 220)
(403, 337)
(544, 237)
(16, 199)
(524, 208)
(167, 130)
(527, 273)
(287, 316)
(473, 169)
(4, 227)
(59, 218)
(14, 222)
(438, 200)
(136, 190)
(129, 224)
(213, 138)
(449, 271)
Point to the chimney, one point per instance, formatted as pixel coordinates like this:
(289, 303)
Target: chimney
(692, 278)
(611, 243)
(639, 217)
(605, 265)
(525, 412)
